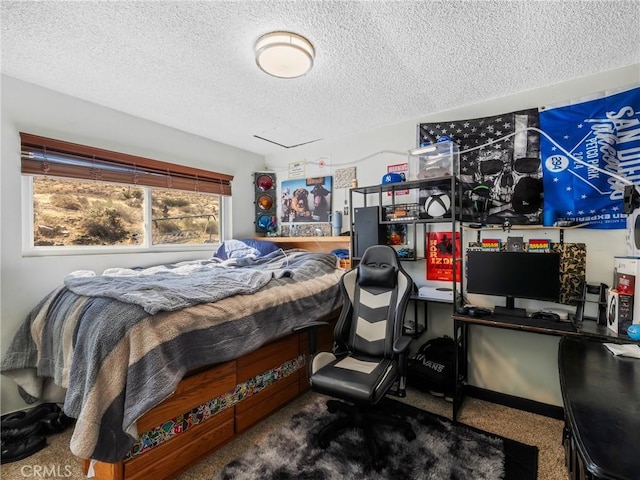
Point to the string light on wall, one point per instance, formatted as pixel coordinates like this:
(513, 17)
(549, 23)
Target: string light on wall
(284, 54)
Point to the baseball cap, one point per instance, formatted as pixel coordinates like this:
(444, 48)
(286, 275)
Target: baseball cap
(527, 195)
(392, 178)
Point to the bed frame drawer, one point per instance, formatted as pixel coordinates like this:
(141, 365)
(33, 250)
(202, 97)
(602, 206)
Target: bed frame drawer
(260, 405)
(175, 455)
(267, 357)
(200, 386)
(191, 392)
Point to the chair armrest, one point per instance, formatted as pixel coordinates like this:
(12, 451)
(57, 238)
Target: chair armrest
(312, 328)
(401, 344)
(401, 348)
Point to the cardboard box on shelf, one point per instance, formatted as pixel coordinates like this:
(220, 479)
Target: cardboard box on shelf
(626, 281)
(619, 311)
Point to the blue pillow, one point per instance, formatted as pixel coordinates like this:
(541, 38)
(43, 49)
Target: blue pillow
(242, 247)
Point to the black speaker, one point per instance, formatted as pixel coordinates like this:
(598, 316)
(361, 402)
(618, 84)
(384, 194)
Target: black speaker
(631, 199)
(265, 205)
(592, 289)
(367, 230)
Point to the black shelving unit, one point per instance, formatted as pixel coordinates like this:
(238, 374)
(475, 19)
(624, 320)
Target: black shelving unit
(394, 209)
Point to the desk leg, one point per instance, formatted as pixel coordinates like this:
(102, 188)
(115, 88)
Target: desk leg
(461, 341)
(417, 329)
(425, 309)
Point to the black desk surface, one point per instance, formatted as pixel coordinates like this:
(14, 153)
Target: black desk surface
(587, 328)
(601, 394)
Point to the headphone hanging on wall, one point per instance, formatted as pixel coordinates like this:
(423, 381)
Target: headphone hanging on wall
(480, 195)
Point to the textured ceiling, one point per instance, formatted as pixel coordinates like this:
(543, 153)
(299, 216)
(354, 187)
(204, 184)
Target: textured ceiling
(190, 64)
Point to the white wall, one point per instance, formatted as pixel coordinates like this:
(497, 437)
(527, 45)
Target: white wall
(514, 363)
(27, 108)
(509, 362)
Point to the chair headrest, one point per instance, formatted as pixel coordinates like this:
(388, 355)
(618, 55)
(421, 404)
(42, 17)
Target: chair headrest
(376, 276)
(378, 267)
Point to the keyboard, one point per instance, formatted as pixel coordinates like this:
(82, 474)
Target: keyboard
(537, 322)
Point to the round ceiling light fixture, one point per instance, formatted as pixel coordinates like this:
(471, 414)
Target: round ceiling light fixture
(284, 54)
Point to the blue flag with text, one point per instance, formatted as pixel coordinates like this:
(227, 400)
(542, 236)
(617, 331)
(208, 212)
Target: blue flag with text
(589, 152)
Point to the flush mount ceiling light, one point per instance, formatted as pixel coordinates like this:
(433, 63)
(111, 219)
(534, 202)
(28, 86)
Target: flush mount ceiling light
(284, 54)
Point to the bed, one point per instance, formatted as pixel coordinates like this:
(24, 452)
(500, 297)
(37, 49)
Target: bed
(158, 375)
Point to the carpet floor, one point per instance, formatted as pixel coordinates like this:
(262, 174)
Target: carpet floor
(441, 450)
(531, 429)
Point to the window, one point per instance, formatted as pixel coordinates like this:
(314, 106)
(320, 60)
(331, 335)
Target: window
(184, 217)
(85, 197)
(79, 212)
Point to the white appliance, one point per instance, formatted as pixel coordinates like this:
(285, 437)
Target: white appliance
(633, 233)
(440, 294)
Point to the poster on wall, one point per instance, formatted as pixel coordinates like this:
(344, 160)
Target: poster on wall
(589, 151)
(499, 165)
(296, 170)
(306, 200)
(440, 256)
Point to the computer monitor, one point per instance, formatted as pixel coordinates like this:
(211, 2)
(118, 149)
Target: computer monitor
(514, 275)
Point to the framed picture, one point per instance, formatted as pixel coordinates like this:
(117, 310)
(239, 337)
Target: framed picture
(306, 200)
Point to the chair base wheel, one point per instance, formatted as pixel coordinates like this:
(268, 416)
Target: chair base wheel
(410, 435)
(334, 406)
(362, 418)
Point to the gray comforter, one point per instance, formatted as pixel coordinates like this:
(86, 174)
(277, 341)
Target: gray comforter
(117, 361)
(177, 286)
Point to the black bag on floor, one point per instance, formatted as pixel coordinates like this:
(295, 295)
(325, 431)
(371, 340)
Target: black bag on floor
(432, 368)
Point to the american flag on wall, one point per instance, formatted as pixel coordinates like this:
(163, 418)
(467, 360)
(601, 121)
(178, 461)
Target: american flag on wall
(499, 165)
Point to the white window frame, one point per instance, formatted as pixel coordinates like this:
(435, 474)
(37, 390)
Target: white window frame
(29, 250)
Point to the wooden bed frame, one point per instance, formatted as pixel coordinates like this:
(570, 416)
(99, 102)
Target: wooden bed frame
(170, 458)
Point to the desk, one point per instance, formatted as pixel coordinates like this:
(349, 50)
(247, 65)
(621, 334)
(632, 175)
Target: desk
(416, 330)
(601, 395)
(461, 323)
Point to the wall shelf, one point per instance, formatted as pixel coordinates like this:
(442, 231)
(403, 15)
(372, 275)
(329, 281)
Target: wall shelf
(313, 244)
(484, 228)
(410, 203)
(523, 227)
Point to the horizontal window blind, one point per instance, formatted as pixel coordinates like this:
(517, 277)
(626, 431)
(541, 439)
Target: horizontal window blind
(56, 158)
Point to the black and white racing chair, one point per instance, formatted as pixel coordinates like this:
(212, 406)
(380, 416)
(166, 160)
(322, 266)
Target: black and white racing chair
(370, 352)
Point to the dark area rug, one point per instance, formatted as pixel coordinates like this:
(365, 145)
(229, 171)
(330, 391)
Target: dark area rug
(442, 450)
